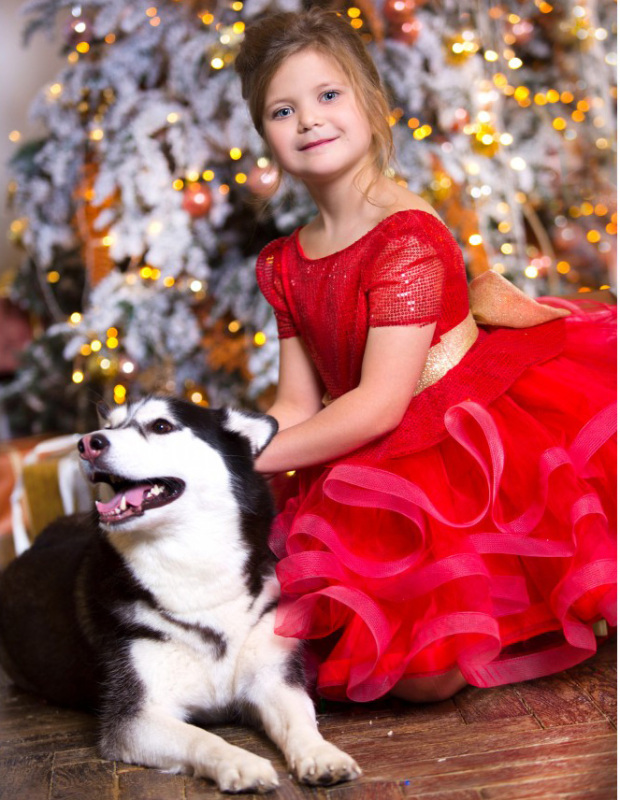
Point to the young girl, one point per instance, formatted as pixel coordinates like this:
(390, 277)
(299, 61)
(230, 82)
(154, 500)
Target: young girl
(454, 491)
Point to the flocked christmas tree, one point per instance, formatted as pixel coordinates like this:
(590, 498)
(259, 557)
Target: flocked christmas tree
(139, 211)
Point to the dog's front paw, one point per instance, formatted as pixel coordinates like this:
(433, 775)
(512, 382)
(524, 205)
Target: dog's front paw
(245, 772)
(323, 764)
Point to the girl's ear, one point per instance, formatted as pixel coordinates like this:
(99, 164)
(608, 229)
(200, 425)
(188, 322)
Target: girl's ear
(259, 429)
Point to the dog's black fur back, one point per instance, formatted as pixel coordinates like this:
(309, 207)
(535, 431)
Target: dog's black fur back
(39, 590)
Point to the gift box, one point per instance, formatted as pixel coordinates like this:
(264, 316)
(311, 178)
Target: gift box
(40, 480)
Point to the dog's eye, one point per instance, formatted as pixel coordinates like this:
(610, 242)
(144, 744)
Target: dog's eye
(161, 426)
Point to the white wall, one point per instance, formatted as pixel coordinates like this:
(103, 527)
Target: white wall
(23, 71)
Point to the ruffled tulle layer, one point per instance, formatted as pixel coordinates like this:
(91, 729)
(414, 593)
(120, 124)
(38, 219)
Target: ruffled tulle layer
(492, 551)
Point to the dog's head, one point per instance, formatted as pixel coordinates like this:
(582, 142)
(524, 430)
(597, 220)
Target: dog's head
(161, 451)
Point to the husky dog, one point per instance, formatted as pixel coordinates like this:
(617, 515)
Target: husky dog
(157, 611)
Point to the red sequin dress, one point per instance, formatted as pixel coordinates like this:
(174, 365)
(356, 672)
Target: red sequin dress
(479, 533)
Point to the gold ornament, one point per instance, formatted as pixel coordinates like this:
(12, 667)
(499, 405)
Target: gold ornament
(485, 140)
(460, 47)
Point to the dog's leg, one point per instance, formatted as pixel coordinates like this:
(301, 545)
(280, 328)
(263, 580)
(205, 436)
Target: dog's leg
(154, 738)
(288, 717)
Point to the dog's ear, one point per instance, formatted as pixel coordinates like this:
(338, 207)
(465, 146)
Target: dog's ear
(103, 412)
(259, 429)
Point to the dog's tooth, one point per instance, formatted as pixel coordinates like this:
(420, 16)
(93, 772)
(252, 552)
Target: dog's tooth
(123, 504)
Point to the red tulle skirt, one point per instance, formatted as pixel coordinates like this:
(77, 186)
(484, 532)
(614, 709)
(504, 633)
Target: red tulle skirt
(492, 551)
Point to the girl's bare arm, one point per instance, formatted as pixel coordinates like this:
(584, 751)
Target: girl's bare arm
(310, 434)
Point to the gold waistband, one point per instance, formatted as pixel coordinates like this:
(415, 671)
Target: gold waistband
(447, 353)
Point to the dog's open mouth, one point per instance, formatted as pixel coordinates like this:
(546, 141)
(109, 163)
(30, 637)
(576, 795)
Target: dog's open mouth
(133, 498)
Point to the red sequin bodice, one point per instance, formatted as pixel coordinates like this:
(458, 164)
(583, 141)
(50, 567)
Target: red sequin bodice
(408, 270)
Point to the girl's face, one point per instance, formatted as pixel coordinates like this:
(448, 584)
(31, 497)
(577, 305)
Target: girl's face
(312, 120)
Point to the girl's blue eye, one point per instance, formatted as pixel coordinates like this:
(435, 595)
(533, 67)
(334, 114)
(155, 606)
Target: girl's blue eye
(282, 112)
(332, 94)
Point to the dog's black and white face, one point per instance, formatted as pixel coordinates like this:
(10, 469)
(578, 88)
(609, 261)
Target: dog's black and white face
(165, 458)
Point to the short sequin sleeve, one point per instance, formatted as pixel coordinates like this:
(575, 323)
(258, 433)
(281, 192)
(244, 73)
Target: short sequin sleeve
(405, 279)
(269, 277)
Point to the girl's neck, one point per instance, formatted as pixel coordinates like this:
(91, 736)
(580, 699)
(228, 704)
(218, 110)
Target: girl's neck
(347, 206)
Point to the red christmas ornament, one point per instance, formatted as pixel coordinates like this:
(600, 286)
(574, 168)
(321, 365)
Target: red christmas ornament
(197, 199)
(399, 11)
(523, 31)
(262, 180)
(408, 32)
(454, 119)
(79, 30)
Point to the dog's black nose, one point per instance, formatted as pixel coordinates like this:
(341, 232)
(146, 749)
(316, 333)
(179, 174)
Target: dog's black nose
(92, 445)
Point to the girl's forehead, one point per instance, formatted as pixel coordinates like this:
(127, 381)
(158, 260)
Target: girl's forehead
(307, 66)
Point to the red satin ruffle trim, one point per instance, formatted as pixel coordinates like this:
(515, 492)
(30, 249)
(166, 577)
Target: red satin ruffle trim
(477, 605)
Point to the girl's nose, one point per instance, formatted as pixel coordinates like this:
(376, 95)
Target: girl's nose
(308, 119)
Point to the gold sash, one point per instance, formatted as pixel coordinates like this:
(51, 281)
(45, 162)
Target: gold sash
(447, 353)
(493, 300)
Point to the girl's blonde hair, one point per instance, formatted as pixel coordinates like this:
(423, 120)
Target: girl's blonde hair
(269, 41)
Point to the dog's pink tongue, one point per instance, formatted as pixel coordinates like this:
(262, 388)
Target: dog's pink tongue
(133, 497)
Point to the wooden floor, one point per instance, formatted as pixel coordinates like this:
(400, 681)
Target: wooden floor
(551, 738)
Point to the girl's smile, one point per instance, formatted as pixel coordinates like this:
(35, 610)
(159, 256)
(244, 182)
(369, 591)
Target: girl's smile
(318, 143)
(312, 120)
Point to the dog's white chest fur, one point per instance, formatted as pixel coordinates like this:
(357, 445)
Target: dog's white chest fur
(206, 653)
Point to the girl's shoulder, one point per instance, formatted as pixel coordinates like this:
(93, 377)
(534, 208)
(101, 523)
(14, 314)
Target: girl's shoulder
(410, 209)
(272, 249)
(405, 200)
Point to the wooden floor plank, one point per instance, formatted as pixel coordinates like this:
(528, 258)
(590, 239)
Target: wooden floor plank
(368, 791)
(26, 777)
(513, 768)
(599, 681)
(534, 757)
(53, 741)
(77, 755)
(456, 794)
(592, 794)
(477, 705)
(149, 784)
(576, 783)
(557, 701)
(95, 780)
(422, 762)
(199, 789)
